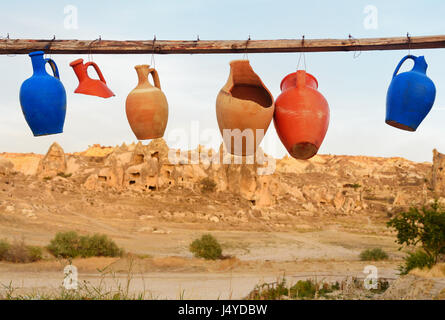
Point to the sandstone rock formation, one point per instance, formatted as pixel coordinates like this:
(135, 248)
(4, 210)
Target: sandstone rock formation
(323, 185)
(438, 173)
(53, 163)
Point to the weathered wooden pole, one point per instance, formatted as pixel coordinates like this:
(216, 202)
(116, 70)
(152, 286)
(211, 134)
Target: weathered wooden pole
(54, 46)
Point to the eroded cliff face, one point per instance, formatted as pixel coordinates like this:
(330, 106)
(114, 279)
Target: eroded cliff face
(326, 185)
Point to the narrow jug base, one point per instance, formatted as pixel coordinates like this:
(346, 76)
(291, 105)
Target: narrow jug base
(46, 134)
(303, 150)
(149, 137)
(398, 125)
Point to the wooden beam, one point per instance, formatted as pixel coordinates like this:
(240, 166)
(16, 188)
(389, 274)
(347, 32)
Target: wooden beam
(23, 46)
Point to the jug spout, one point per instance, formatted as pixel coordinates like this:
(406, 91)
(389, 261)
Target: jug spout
(77, 66)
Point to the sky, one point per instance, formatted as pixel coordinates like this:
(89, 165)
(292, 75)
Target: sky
(355, 85)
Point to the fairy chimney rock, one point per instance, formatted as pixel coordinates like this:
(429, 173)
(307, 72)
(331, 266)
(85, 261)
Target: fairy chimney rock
(54, 162)
(159, 149)
(438, 173)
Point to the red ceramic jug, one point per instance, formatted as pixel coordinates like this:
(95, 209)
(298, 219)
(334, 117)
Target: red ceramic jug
(301, 115)
(92, 87)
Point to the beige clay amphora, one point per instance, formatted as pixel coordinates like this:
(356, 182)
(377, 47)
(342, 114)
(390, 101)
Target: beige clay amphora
(146, 106)
(243, 103)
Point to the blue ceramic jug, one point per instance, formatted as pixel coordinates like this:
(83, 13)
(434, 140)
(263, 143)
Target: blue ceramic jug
(410, 96)
(43, 98)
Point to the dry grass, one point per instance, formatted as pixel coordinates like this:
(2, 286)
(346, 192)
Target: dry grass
(438, 271)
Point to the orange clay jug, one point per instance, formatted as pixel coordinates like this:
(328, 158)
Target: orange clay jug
(301, 115)
(92, 87)
(244, 109)
(146, 106)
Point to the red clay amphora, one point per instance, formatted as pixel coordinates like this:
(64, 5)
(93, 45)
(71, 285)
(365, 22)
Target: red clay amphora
(146, 106)
(244, 109)
(92, 87)
(301, 115)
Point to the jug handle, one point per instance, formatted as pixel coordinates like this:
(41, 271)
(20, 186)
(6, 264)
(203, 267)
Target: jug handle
(401, 62)
(53, 66)
(96, 67)
(155, 76)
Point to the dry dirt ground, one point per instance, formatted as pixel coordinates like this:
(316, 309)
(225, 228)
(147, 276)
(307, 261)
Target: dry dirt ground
(165, 268)
(157, 229)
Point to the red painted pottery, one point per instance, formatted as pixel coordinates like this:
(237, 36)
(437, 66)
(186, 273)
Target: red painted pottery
(301, 115)
(146, 106)
(92, 87)
(243, 106)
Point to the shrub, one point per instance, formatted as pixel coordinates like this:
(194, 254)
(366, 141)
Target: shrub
(419, 259)
(303, 289)
(19, 252)
(4, 247)
(34, 253)
(207, 185)
(70, 245)
(99, 245)
(352, 185)
(373, 255)
(425, 227)
(64, 175)
(267, 291)
(65, 245)
(206, 247)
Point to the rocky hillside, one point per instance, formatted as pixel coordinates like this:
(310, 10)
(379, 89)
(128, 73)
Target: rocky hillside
(327, 186)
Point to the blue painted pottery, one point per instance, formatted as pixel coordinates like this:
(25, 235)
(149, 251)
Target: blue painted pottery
(410, 96)
(43, 98)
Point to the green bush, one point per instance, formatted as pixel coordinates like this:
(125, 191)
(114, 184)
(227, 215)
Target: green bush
(207, 185)
(34, 253)
(4, 247)
(65, 245)
(376, 254)
(99, 245)
(206, 247)
(419, 259)
(303, 289)
(19, 252)
(64, 175)
(352, 185)
(425, 227)
(71, 245)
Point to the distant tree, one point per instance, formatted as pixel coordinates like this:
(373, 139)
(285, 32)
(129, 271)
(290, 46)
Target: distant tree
(424, 227)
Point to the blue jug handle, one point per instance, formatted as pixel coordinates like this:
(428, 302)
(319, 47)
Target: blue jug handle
(401, 62)
(53, 66)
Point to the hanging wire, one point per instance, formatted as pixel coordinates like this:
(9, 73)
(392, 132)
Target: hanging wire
(357, 53)
(409, 43)
(6, 44)
(245, 55)
(152, 60)
(48, 46)
(90, 54)
(302, 54)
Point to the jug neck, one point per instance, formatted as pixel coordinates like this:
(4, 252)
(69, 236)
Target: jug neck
(291, 80)
(143, 71)
(79, 69)
(420, 64)
(38, 63)
(241, 72)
